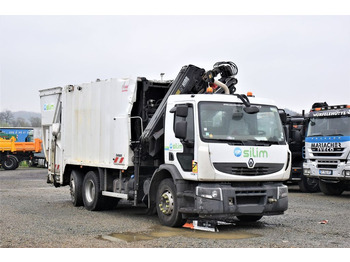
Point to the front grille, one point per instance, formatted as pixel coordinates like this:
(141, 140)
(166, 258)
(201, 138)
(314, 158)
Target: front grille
(327, 164)
(250, 197)
(336, 153)
(241, 169)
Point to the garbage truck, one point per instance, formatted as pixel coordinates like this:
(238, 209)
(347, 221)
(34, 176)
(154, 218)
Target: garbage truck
(189, 148)
(327, 147)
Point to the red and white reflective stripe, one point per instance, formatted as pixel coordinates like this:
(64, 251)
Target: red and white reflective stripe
(57, 166)
(118, 160)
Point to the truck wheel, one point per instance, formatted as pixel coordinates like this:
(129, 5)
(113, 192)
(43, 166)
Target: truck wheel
(167, 205)
(92, 196)
(245, 218)
(10, 162)
(308, 185)
(331, 189)
(76, 185)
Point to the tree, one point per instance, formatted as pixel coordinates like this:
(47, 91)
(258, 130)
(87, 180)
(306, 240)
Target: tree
(6, 117)
(35, 121)
(20, 122)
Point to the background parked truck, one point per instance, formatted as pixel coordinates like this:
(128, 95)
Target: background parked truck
(295, 129)
(187, 149)
(327, 147)
(16, 145)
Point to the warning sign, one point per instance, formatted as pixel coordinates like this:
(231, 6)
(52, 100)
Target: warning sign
(194, 167)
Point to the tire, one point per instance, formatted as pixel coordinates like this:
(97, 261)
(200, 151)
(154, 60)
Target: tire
(331, 189)
(10, 162)
(245, 218)
(309, 185)
(92, 195)
(76, 186)
(167, 204)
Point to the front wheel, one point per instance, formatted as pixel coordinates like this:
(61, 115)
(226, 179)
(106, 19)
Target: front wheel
(167, 205)
(331, 189)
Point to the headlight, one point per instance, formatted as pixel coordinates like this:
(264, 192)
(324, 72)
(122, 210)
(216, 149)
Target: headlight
(346, 172)
(307, 171)
(211, 193)
(282, 191)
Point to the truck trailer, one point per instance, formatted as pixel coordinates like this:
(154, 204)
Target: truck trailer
(186, 149)
(327, 147)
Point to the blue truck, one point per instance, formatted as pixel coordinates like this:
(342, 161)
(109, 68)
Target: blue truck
(21, 134)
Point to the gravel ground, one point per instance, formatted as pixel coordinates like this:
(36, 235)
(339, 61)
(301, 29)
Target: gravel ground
(35, 214)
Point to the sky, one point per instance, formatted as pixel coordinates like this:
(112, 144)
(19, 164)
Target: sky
(295, 60)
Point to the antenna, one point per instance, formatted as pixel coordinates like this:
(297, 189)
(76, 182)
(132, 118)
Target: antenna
(161, 76)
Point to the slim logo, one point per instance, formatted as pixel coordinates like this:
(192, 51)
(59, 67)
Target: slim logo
(237, 152)
(251, 152)
(49, 107)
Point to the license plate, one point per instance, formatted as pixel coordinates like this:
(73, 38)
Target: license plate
(325, 172)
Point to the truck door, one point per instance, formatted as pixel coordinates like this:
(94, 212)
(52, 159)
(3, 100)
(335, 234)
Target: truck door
(179, 140)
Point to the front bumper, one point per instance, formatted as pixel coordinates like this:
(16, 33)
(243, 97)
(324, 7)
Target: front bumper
(226, 200)
(337, 171)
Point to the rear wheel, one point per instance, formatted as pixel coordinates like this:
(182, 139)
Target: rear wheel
(331, 188)
(76, 185)
(92, 196)
(10, 162)
(245, 218)
(167, 205)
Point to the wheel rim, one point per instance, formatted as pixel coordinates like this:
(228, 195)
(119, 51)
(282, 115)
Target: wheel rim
(90, 191)
(166, 203)
(72, 189)
(9, 162)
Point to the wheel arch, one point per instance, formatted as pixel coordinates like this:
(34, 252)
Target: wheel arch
(82, 170)
(164, 171)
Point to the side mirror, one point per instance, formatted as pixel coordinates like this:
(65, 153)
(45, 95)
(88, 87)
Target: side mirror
(286, 133)
(251, 109)
(283, 115)
(181, 130)
(180, 110)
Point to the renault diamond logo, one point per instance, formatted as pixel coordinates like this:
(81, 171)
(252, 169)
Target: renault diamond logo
(250, 163)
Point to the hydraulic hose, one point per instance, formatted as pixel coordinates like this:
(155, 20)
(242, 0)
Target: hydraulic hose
(218, 83)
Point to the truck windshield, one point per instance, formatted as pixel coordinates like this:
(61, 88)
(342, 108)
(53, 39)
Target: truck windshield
(230, 123)
(329, 126)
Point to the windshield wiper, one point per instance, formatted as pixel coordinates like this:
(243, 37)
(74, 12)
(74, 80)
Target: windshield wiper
(264, 142)
(336, 135)
(316, 135)
(231, 141)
